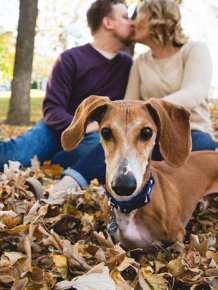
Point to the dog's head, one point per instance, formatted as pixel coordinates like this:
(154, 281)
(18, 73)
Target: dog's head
(129, 131)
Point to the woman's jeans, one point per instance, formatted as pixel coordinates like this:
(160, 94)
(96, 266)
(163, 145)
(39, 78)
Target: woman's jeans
(44, 142)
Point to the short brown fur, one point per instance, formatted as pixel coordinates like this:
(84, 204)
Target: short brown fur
(177, 190)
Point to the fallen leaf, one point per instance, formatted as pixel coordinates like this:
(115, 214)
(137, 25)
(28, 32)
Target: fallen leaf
(200, 247)
(121, 284)
(61, 264)
(19, 284)
(175, 266)
(157, 282)
(96, 279)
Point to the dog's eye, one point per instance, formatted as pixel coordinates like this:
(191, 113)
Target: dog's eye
(106, 133)
(146, 133)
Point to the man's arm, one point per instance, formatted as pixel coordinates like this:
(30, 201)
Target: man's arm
(58, 93)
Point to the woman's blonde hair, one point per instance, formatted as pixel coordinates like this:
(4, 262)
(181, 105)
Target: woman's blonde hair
(163, 20)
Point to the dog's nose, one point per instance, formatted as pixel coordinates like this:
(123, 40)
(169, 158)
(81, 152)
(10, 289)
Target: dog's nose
(124, 184)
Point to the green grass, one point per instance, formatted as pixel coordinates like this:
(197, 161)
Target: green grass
(36, 105)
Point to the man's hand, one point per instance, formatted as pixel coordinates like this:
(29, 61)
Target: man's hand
(92, 127)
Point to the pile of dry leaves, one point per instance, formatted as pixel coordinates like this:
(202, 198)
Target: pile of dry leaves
(62, 243)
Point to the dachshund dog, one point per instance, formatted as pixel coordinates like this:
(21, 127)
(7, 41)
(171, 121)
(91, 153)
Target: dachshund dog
(151, 202)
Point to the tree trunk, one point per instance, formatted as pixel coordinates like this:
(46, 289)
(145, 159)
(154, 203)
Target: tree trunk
(19, 107)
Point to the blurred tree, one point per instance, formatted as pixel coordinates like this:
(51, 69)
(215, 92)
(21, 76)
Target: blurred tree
(63, 23)
(7, 52)
(41, 66)
(19, 107)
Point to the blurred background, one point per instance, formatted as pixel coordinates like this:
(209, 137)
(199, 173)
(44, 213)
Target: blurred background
(61, 24)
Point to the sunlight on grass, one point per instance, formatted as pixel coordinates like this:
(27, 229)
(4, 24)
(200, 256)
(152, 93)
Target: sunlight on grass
(33, 94)
(36, 104)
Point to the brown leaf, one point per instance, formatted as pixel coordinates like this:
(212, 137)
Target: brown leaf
(13, 231)
(156, 281)
(200, 247)
(68, 209)
(35, 164)
(25, 245)
(51, 170)
(175, 266)
(61, 264)
(9, 259)
(52, 239)
(39, 278)
(72, 252)
(192, 259)
(10, 221)
(213, 255)
(32, 214)
(19, 284)
(121, 284)
(88, 222)
(100, 255)
(104, 241)
(143, 283)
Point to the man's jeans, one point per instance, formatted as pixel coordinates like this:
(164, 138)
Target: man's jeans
(44, 142)
(84, 163)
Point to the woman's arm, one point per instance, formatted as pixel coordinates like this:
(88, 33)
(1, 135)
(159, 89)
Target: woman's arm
(196, 80)
(133, 86)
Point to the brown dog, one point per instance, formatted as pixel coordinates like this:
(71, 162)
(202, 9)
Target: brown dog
(152, 201)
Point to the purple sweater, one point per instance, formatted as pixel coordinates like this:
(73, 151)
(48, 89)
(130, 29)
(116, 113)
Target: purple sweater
(78, 73)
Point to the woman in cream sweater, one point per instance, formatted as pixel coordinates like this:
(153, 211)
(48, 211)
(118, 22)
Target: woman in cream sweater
(174, 68)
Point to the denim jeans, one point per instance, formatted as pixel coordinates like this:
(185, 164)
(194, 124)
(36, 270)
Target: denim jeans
(44, 142)
(93, 166)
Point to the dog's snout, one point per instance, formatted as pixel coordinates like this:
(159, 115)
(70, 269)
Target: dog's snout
(124, 184)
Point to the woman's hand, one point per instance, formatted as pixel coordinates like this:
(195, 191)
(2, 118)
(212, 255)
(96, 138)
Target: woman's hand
(92, 127)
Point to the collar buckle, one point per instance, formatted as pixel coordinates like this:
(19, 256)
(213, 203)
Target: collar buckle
(112, 225)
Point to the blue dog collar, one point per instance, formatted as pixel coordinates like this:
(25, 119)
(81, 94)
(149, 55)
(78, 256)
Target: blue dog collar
(137, 201)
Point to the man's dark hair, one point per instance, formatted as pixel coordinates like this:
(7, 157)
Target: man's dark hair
(98, 10)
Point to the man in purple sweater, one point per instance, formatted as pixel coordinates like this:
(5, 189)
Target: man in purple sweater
(95, 68)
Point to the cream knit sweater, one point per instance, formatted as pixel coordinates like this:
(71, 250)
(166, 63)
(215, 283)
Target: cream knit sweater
(183, 78)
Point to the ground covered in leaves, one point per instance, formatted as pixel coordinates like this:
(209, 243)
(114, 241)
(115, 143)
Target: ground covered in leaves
(62, 243)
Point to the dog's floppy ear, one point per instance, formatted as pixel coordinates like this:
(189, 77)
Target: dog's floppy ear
(91, 107)
(174, 130)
